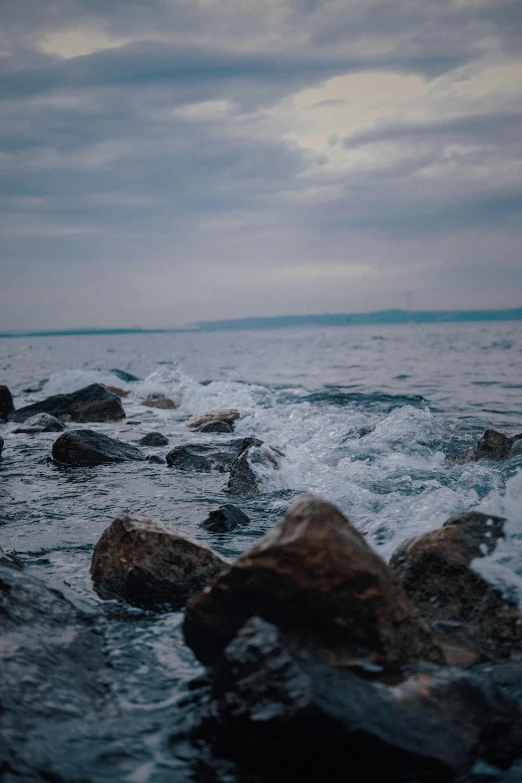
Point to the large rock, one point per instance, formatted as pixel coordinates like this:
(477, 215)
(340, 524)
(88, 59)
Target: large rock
(225, 519)
(159, 401)
(154, 439)
(6, 402)
(492, 445)
(151, 564)
(228, 415)
(41, 422)
(204, 458)
(463, 608)
(315, 576)
(243, 480)
(276, 706)
(93, 403)
(86, 447)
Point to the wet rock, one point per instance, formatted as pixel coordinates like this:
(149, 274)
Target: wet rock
(159, 401)
(229, 415)
(6, 402)
(225, 518)
(516, 449)
(151, 564)
(155, 459)
(9, 561)
(204, 458)
(1, 445)
(492, 445)
(276, 706)
(463, 608)
(216, 426)
(92, 403)
(314, 576)
(125, 376)
(243, 480)
(116, 390)
(86, 447)
(154, 439)
(41, 422)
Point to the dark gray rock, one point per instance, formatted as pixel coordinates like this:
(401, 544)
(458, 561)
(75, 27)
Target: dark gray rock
(492, 445)
(225, 518)
(454, 599)
(41, 422)
(92, 403)
(276, 706)
(125, 376)
(151, 564)
(516, 449)
(6, 403)
(155, 459)
(1, 445)
(216, 426)
(204, 458)
(9, 561)
(86, 447)
(154, 439)
(243, 480)
(159, 401)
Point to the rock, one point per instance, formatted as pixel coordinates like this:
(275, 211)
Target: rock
(243, 480)
(41, 422)
(216, 426)
(228, 415)
(155, 459)
(225, 518)
(125, 376)
(1, 445)
(93, 403)
(516, 449)
(276, 706)
(86, 447)
(6, 403)
(159, 401)
(315, 576)
(117, 391)
(154, 439)
(456, 601)
(9, 561)
(151, 564)
(492, 445)
(204, 458)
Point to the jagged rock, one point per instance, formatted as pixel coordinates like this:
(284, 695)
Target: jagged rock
(9, 561)
(86, 447)
(151, 564)
(125, 376)
(204, 458)
(243, 480)
(116, 390)
(41, 422)
(1, 445)
(216, 426)
(92, 403)
(159, 401)
(225, 518)
(492, 445)
(276, 706)
(456, 601)
(154, 439)
(6, 402)
(228, 415)
(315, 576)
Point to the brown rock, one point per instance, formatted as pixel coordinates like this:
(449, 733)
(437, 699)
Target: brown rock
(6, 402)
(159, 401)
(229, 415)
(116, 390)
(492, 445)
(315, 577)
(151, 564)
(456, 601)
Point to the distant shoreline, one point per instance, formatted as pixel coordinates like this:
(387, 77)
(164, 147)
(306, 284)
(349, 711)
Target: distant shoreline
(378, 318)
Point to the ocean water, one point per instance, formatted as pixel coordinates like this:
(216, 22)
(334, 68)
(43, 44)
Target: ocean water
(364, 415)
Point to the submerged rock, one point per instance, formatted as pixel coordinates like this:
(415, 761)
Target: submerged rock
(151, 564)
(41, 422)
(204, 458)
(463, 608)
(159, 401)
(92, 403)
(314, 576)
(492, 445)
(228, 415)
(216, 426)
(6, 402)
(154, 439)
(225, 518)
(243, 480)
(125, 376)
(86, 447)
(116, 390)
(276, 706)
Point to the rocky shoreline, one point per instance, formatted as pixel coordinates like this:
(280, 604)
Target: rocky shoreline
(320, 657)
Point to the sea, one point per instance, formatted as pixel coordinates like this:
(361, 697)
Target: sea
(365, 417)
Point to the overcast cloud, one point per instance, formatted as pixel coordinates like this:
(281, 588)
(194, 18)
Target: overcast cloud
(175, 161)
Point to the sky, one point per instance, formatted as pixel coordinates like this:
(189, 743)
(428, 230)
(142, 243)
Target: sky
(165, 162)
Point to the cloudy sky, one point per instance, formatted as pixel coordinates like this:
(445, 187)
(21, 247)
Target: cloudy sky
(170, 161)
